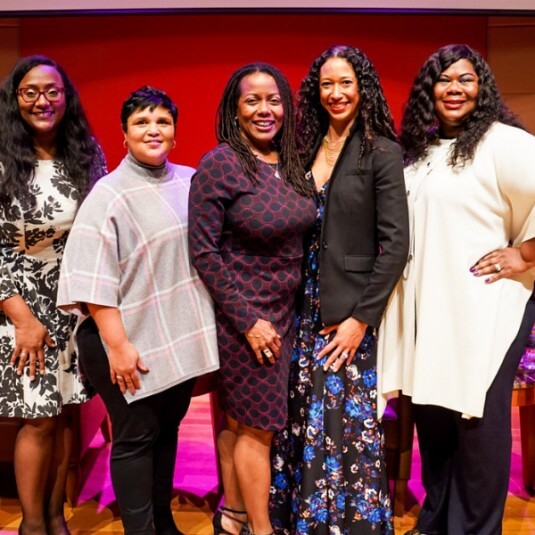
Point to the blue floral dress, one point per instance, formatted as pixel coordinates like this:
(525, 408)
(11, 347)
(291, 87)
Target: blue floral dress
(328, 465)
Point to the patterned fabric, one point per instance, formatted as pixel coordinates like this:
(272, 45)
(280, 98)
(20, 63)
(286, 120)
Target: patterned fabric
(32, 238)
(246, 242)
(128, 249)
(328, 472)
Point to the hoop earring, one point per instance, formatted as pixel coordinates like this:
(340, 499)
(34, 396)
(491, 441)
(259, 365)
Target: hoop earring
(125, 144)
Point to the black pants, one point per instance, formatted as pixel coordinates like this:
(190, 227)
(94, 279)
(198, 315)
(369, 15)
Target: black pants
(466, 463)
(144, 440)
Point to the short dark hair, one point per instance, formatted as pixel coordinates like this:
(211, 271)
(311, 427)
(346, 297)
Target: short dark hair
(147, 97)
(420, 127)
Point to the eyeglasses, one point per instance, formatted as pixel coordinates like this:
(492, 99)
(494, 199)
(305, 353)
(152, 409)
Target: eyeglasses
(30, 94)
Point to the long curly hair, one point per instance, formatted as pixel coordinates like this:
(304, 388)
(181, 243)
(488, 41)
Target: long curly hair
(420, 127)
(373, 119)
(228, 129)
(77, 151)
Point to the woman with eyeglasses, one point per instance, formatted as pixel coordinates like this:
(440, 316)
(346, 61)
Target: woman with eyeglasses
(48, 160)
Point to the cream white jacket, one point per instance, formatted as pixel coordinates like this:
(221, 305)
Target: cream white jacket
(445, 332)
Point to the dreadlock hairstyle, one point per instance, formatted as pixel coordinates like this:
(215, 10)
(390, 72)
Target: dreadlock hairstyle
(420, 127)
(373, 119)
(228, 130)
(78, 154)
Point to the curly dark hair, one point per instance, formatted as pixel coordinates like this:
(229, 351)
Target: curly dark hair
(147, 97)
(420, 127)
(373, 119)
(77, 151)
(228, 130)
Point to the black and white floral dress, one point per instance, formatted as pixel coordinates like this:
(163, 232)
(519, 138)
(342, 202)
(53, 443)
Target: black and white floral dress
(33, 233)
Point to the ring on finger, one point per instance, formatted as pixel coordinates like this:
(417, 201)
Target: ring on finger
(497, 267)
(24, 354)
(344, 355)
(267, 353)
(119, 377)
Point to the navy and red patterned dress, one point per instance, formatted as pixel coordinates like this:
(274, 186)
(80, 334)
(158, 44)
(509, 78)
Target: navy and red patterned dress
(246, 241)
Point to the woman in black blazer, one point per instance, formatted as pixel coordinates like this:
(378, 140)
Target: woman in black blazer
(356, 253)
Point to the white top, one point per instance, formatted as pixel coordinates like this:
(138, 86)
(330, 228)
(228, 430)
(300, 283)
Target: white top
(128, 248)
(445, 331)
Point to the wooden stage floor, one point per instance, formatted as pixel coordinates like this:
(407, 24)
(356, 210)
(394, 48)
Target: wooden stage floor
(196, 488)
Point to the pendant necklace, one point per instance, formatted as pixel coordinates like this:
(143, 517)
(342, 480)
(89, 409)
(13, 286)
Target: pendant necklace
(275, 168)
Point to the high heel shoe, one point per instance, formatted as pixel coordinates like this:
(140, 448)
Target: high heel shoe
(217, 520)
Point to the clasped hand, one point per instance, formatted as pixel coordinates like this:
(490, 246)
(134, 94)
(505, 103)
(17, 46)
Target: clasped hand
(264, 341)
(343, 347)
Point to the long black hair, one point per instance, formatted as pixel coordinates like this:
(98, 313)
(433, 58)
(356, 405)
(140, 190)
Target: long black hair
(420, 127)
(80, 158)
(373, 119)
(228, 130)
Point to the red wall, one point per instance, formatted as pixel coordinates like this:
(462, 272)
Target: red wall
(192, 56)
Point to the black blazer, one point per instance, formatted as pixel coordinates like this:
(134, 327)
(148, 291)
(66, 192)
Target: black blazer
(365, 235)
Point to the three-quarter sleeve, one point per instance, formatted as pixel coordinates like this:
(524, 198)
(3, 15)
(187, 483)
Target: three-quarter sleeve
(10, 219)
(7, 285)
(514, 158)
(90, 271)
(213, 189)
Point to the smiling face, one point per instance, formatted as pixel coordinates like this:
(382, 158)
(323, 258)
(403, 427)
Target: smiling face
(339, 91)
(150, 135)
(43, 117)
(455, 94)
(259, 112)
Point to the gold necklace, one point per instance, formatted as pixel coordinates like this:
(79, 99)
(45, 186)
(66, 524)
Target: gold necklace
(332, 152)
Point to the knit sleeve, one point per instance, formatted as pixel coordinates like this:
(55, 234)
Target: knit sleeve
(514, 155)
(90, 271)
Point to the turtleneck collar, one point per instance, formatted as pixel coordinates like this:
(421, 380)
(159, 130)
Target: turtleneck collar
(153, 173)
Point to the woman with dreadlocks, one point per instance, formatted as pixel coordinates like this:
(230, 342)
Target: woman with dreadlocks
(461, 316)
(250, 206)
(355, 256)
